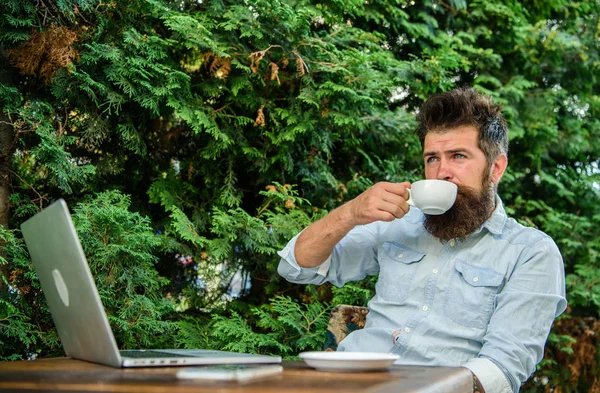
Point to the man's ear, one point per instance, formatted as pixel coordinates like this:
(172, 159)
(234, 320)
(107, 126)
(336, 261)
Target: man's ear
(498, 168)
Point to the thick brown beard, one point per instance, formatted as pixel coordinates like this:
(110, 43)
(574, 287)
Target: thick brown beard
(471, 209)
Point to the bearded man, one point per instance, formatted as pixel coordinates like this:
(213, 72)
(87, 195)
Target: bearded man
(470, 287)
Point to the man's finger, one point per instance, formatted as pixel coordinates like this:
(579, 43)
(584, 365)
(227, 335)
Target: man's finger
(393, 209)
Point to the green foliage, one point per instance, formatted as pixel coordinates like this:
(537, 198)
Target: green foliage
(56, 164)
(119, 246)
(19, 338)
(16, 18)
(204, 114)
(282, 327)
(234, 239)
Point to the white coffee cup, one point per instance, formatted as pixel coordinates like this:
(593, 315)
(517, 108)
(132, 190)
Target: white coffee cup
(433, 197)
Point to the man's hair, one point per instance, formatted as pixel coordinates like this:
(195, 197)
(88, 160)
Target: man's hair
(465, 107)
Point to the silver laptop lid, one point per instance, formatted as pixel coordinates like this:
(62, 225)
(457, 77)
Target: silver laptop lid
(69, 287)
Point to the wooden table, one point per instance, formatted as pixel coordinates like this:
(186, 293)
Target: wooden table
(69, 375)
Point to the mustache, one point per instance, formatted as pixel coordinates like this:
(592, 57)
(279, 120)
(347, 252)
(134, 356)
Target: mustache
(466, 190)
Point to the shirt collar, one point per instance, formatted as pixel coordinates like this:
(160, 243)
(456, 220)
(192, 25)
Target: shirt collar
(495, 224)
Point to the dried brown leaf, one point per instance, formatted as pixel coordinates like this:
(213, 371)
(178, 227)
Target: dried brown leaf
(260, 117)
(274, 71)
(300, 66)
(46, 52)
(220, 67)
(255, 58)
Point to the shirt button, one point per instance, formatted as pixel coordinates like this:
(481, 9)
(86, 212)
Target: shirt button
(452, 243)
(400, 255)
(475, 279)
(435, 271)
(407, 330)
(425, 308)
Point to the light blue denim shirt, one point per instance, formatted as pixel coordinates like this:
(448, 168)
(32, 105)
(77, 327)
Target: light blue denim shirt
(493, 295)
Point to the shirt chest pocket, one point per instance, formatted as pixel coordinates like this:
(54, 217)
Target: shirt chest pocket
(397, 269)
(471, 294)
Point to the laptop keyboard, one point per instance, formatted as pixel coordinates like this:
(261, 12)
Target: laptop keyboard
(151, 354)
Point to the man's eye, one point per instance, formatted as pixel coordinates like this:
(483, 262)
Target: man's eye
(431, 159)
(458, 155)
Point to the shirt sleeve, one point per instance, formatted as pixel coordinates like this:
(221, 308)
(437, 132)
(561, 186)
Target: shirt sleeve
(532, 297)
(352, 259)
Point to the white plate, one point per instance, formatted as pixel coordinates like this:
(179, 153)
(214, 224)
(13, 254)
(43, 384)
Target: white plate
(348, 361)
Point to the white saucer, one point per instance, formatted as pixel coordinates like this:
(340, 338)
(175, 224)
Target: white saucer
(348, 361)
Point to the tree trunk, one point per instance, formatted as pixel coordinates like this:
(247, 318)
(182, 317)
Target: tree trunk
(6, 151)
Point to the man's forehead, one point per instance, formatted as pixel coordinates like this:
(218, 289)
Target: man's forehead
(465, 137)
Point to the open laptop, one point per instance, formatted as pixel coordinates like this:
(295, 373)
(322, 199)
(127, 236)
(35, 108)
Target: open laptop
(76, 308)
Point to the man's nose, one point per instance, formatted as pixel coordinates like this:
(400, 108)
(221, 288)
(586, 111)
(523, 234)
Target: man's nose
(444, 172)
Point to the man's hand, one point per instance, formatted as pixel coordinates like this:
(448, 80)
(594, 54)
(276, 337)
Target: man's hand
(381, 202)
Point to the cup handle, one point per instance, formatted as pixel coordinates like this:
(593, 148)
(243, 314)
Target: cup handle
(409, 200)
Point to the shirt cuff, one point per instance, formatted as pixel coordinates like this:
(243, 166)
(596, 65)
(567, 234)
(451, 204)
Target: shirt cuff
(491, 377)
(287, 254)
